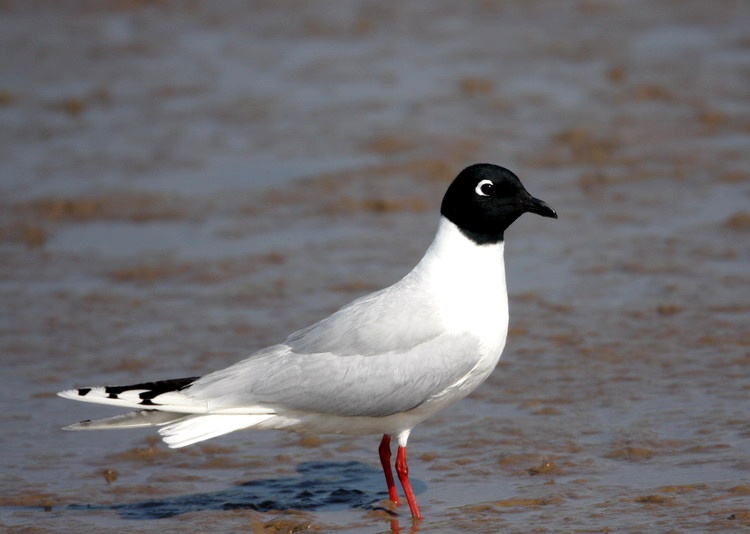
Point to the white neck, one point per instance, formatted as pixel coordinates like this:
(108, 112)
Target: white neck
(468, 283)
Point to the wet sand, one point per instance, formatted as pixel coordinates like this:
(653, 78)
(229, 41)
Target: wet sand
(183, 183)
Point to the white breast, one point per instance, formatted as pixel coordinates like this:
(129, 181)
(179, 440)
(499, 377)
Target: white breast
(468, 284)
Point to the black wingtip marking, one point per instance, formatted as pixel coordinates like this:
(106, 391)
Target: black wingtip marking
(153, 389)
(82, 392)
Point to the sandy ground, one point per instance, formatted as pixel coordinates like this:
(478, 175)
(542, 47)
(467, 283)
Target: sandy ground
(183, 182)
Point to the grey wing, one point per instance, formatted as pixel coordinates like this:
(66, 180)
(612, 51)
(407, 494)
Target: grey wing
(351, 385)
(384, 353)
(396, 318)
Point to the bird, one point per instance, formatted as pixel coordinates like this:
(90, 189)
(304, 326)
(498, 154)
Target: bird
(379, 365)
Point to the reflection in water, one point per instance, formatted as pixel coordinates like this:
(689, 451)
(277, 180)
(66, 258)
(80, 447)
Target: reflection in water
(321, 486)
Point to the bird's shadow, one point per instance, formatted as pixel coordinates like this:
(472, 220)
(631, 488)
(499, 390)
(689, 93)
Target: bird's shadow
(320, 486)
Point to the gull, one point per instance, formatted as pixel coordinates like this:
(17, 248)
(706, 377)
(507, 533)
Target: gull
(381, 364)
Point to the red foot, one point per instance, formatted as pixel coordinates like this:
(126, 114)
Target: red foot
(385, 461)
(402, 469)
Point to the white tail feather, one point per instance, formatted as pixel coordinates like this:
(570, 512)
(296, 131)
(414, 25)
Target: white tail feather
(167, 402)
(192, 429)
(137, 419)
(172, 401)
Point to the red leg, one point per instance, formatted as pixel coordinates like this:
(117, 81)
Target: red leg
(403, 475)
(385, 461)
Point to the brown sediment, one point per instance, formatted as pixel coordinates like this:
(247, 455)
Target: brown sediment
(474, 86)
(30, 234)
(348, 205)
(204, 272)
(583, 145)
(135, 207)
(110, 475)
(310, 441)
(521, 502)
(632, 454)
(652, 91)
(683, 489)
(152, 453)
(30, 498)
(655, 499)
(738, 221)
(547, 467)
(283, 525)
(388, 144)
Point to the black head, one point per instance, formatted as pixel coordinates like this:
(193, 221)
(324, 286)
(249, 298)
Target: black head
(485, 199)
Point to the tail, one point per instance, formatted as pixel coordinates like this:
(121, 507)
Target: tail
(164, 395)
(161, 403)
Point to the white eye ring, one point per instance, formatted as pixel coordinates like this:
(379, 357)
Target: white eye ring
(482, 190)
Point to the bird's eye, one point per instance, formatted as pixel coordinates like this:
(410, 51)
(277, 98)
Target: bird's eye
(485, 188)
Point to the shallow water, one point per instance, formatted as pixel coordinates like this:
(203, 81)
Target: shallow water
(184, 183)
